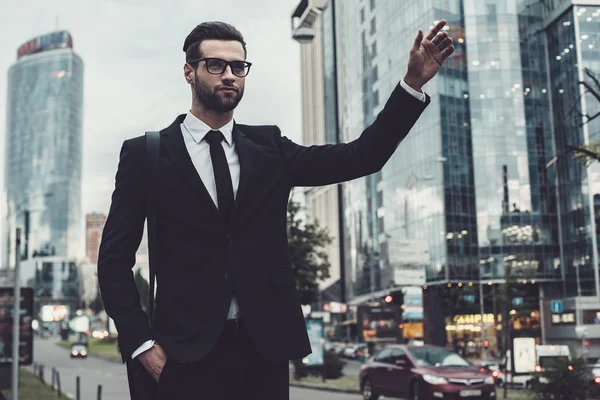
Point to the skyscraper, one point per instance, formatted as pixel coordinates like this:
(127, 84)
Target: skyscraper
(43, 143)
(485, 178)
(94, 225)
(312, 24)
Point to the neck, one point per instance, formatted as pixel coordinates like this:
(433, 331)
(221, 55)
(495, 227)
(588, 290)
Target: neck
(211, 118)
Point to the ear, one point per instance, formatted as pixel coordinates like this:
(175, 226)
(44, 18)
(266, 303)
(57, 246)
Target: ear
(188, 73)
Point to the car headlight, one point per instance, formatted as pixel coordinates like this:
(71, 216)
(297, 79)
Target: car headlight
(489, 380)
(434, 380)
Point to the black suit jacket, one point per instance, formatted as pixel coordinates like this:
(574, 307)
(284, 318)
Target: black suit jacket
(204, 260)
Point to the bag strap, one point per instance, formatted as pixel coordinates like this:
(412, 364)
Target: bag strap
(152, 152)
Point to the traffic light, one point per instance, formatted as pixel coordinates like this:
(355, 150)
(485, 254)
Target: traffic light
(486, 344)
(389, 299)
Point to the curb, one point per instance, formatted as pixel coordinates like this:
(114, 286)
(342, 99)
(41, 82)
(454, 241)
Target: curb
(323, 388)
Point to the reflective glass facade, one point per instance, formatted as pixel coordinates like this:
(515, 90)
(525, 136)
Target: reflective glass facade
(573, 41)
(42, 171)
(477, 178)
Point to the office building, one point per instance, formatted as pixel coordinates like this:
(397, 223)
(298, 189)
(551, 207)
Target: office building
(43, 143)
(485, 180)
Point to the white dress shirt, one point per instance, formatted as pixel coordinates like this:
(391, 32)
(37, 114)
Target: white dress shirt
(193, 131)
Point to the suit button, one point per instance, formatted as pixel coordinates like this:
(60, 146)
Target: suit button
(229, 238)
(227, 276)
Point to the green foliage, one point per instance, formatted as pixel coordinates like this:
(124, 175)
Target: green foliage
(307, 243)
(564, 380)
(97, 304)
(587, 152)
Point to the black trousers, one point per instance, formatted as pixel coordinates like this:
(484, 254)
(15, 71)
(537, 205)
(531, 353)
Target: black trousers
(233, 370)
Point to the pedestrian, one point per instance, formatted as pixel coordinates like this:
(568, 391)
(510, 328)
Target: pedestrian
(228, 316)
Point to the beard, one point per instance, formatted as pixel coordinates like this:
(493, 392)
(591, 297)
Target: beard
(215, 101)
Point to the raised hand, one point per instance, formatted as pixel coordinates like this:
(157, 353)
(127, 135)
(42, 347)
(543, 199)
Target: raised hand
(427, 56)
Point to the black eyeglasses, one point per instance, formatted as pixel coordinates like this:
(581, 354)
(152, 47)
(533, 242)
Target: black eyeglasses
(216, 66)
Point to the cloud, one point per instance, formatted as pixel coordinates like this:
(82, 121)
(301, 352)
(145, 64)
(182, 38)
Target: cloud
(133, 62)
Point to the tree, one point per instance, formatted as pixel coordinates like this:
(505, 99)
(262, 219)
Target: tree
(591, 151)
(309, 261)
(97, 304)
(143, 288)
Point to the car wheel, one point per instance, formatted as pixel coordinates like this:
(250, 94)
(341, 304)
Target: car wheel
(415, 391)
(367, 390)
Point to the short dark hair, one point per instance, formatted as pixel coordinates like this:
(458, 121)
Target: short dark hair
(213, 30)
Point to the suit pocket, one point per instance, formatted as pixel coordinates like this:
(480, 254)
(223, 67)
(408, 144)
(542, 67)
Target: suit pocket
(282, 276)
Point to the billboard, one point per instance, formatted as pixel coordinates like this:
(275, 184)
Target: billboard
(25, 322)
(525, 355)
(54, 313)
(314, 327)
(54, 40)
(408, 252)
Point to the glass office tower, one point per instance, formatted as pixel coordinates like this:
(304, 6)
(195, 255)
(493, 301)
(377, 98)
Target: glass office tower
(485, 177)
(42, 171)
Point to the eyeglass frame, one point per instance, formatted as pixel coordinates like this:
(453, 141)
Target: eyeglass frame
(227, 64)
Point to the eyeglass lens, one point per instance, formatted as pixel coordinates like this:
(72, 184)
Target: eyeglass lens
(218, 66)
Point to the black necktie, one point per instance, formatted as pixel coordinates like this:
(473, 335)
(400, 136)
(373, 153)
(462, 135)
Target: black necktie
(221, 171)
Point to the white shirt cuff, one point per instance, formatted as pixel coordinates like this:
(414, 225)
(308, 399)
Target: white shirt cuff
(418, 95)
(147, 345)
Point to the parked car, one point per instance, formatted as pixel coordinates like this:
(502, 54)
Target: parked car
(491, 367)
(355, 351)
(79, 350)
(423, 372)
(595, 384)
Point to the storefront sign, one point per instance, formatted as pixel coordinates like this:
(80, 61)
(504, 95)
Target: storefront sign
(567, 318)
(474, 319)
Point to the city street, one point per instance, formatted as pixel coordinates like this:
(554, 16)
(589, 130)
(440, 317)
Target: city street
(94, 371)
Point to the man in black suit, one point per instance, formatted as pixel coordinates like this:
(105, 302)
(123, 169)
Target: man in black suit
(228, 317)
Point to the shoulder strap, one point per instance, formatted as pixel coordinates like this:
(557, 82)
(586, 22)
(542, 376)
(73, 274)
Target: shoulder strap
(152, 152)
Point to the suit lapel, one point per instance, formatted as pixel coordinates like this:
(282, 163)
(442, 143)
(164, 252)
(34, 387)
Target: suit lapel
(178, 154)
(246, 150)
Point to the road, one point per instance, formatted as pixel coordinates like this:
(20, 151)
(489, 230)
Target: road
(94, 371)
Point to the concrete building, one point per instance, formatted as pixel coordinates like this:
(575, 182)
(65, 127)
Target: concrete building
(43, 143)
(312, 24)
(94, 225)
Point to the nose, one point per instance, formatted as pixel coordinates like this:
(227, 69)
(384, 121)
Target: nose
(228, 75)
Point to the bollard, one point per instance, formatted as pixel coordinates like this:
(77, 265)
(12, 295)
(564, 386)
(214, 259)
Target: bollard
(53, 379)
(77, 389)
(58, 385)
(99, 392)
(42, 373)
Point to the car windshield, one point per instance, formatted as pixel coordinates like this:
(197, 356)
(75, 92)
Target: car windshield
(437, 357)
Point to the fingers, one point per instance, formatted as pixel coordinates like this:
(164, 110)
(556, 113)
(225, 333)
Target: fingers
(447, 52)
(418, 41)
(447, 42)
(436, 29)
(439, 38)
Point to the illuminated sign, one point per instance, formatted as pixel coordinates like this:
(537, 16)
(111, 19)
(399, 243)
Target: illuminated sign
(475, 319)
(567, 318)
(25, 323)
(50, 41)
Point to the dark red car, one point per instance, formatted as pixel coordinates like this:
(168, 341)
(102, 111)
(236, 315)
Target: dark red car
(423, 372)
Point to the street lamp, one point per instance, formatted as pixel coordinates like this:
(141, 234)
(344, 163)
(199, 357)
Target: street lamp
(17, 300)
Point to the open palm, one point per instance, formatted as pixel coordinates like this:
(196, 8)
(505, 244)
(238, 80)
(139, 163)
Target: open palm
(428, 55)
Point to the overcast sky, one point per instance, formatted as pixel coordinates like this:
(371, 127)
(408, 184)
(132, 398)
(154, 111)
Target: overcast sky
(133, 63)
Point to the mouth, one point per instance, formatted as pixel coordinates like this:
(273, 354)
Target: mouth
(228, 89)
